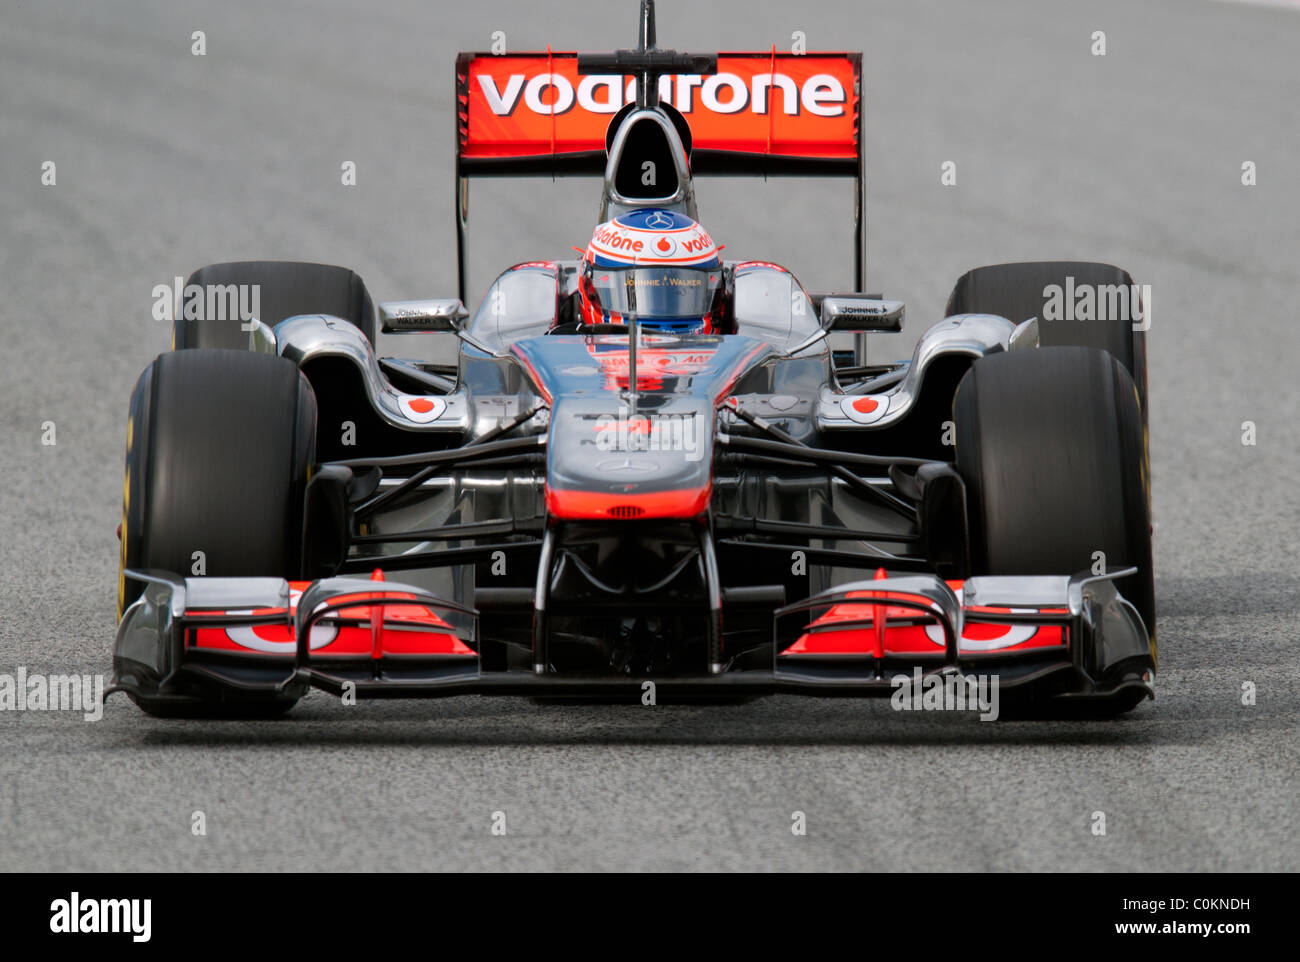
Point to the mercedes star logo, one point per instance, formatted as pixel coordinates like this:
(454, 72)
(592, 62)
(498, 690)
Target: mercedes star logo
(627, 466)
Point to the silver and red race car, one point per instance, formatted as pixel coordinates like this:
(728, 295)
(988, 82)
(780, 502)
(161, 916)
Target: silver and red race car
(591, 501)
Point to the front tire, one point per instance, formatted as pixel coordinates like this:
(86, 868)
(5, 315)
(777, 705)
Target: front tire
(1051, 448)
(219, 445)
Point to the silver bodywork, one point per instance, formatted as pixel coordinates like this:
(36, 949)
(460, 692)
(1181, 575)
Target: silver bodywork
(308, 337)
(972, 335)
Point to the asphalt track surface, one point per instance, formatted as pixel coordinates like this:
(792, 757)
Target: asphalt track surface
(166, 161)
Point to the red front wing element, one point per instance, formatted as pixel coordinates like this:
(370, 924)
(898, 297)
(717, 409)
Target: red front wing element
(885, 630)
(373, 630)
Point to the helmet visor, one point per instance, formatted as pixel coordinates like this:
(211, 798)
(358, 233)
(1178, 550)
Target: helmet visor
(656, 293)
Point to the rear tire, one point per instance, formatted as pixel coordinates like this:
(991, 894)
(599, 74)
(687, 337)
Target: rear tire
(1051, 448)
(1015, 291)
(219, 445)
(284, 289)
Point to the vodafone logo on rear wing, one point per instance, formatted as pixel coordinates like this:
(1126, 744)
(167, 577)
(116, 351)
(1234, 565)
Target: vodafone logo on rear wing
(725, 93)
(779, 104)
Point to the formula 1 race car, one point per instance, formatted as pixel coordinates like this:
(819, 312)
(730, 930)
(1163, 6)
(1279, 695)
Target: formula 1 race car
(647, 465)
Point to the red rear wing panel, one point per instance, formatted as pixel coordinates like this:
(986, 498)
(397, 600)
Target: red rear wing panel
(762, 113)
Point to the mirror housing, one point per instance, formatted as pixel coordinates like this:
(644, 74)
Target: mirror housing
(1025, 335)
(858, 312)
(442, 315)
(261, 339)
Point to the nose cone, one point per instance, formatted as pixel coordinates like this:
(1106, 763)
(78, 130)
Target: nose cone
(610, 459)
(606, 461)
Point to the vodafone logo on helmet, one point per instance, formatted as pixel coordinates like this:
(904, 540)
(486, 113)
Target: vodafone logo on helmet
(609, 239)
(698, 242)
(687, 245)
(553, 94)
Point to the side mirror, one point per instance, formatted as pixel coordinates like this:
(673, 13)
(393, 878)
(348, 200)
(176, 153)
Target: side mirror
(857, 312)
(405, 317)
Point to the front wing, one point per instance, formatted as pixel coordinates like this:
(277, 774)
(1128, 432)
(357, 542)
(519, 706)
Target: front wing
(188, 639)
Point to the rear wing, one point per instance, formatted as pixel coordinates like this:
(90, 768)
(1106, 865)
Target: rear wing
(762, 113)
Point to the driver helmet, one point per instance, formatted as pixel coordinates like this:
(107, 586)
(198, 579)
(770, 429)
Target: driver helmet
(658, 266)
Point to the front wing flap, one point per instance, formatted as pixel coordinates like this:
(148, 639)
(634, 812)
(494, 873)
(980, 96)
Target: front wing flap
(1024, 629)
(278, 638)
